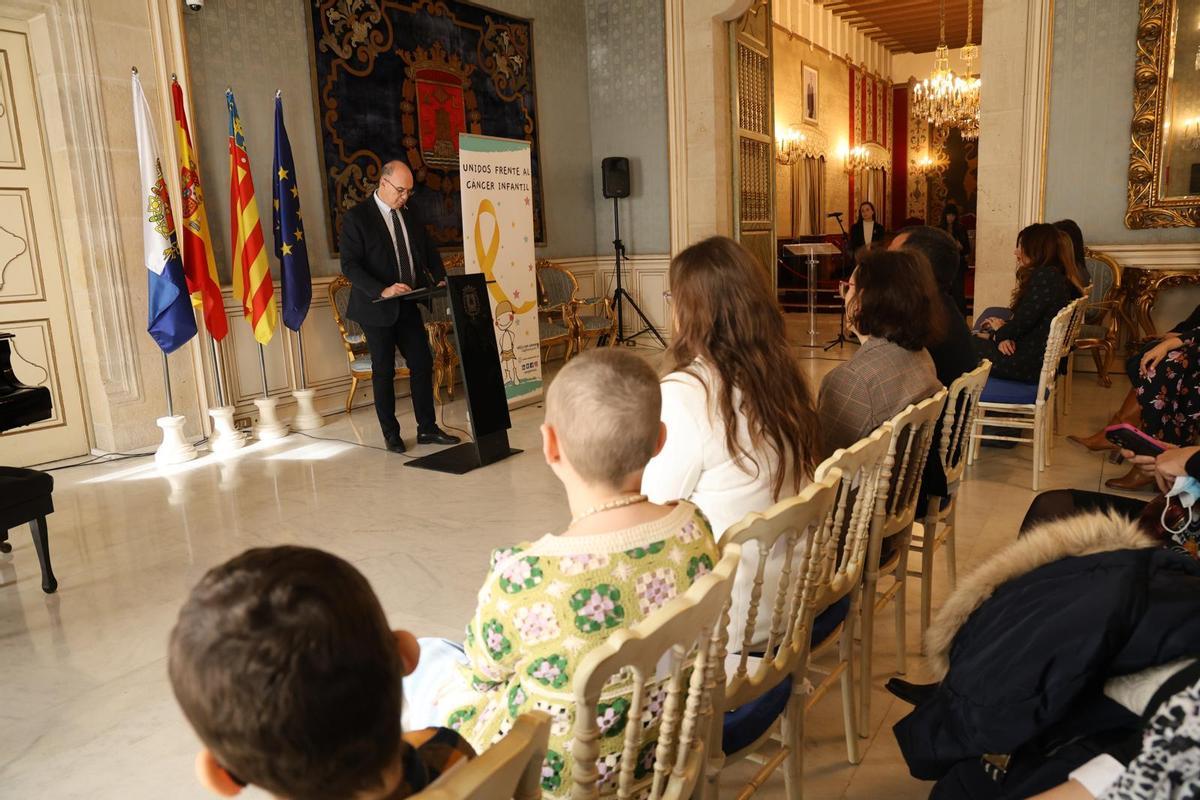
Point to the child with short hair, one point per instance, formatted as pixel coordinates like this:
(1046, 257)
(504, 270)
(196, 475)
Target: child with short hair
(546, 604)
(284, 665)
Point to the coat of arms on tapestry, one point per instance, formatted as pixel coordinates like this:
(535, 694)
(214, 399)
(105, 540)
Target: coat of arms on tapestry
(402, 78)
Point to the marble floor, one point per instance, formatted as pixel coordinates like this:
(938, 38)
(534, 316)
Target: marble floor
(85, 707)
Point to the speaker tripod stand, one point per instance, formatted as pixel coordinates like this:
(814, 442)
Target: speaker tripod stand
(841, 339)
(621, 296)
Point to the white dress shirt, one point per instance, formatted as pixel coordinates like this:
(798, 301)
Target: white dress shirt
(868, 231)
(386, 211)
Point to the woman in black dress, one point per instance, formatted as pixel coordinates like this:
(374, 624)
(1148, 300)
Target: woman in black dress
(865, 231)
(1016, 346)
(958, 232)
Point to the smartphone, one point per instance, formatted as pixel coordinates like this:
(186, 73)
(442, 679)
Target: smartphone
(1130, 438)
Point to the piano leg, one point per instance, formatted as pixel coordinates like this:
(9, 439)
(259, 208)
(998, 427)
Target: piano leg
(41, 542)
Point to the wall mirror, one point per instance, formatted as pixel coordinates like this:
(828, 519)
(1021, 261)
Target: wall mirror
(1164, 162)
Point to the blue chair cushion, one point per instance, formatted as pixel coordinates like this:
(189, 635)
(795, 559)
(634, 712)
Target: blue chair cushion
(999, 390)
(743, 726)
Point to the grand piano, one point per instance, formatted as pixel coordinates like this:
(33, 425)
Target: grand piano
(25, 494)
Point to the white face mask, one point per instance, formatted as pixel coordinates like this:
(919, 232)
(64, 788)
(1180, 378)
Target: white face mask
(1187, 491)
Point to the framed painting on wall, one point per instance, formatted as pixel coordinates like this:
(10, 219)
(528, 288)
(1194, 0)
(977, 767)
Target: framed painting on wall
(809, 82)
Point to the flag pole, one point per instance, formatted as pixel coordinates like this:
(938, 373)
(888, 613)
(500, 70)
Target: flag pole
(216, 355)
(300, 347)
(262, 366)
(167, 383)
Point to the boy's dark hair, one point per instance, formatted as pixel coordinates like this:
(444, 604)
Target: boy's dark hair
(898, 299)
(939, 249)
(283, 662)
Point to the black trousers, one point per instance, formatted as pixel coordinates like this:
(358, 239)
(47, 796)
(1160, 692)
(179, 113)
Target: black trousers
(1061, 503)
(408, 334)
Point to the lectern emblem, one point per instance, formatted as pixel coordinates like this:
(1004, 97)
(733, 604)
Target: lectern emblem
(470, 301)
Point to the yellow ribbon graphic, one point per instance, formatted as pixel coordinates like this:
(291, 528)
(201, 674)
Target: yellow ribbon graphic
(487, 258)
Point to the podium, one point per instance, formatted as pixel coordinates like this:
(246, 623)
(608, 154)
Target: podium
(483, 379)
(812, 250)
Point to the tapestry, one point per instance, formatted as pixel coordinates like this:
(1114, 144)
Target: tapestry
(402, 79)
(958, 181)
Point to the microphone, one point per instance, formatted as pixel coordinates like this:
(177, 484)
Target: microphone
(834, 214)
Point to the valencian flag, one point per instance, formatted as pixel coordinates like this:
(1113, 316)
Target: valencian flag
(171, 321)
(199, 265)
(290, 247)
(251, 273)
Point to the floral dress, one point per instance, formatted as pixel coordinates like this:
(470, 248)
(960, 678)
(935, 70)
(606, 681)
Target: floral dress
(547, 604)
(1169, 394)
(1168, 767)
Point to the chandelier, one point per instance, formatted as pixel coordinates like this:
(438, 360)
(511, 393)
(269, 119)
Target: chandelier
(944, 99)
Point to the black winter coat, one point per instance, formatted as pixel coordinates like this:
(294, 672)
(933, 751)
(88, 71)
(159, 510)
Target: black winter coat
(1038, 647)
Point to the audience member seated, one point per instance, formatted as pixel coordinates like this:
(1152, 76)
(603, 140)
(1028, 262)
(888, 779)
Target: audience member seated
(953, 353)
(1025, 645)
(283, 663)
(952, 227)
(546, 604)
(742, 431)
(1163, 470)
(1163, 400)
(1078, 250)
(1014, 339)
(892, 368)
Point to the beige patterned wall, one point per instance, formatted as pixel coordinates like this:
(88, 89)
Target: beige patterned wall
(833, 113)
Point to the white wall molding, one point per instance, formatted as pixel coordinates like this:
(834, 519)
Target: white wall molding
(1154, 256)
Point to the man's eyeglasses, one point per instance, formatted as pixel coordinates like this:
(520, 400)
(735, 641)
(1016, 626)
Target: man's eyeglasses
(400, 190)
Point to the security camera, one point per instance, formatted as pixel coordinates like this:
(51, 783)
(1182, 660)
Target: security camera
(194, 5)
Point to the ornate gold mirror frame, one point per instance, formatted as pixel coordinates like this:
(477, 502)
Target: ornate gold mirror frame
(1148, 207)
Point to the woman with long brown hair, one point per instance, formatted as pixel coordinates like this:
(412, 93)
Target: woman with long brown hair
(1014, 339)
(742, 430)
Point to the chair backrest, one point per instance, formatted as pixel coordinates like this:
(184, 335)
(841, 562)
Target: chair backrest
(911, 434)
(1076, 323)
(674, 647)
(558, 285)
(796, 530)
(352, 333)
(1105, 274)
(510, 769)
(860, 465)
(962, 406)
(1056, 346)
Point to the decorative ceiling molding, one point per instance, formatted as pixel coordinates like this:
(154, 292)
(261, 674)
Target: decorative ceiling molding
(909, 25)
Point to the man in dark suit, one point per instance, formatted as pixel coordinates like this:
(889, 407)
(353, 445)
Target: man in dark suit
(386, 253)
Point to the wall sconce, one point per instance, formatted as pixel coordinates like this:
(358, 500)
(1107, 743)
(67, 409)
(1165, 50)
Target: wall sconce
(1191, 134)
(925, 165)
(788, 146)
(856, 159)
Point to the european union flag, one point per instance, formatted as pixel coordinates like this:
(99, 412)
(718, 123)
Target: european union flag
(290, 248)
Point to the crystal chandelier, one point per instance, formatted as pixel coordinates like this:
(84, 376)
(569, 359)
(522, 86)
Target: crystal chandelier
(945, 99)
(968, 121)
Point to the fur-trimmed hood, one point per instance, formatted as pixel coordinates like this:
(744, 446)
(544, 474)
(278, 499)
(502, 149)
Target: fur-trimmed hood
(1080, 535)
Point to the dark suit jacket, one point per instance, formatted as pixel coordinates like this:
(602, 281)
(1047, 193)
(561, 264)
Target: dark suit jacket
(858, 237)
(369, 261)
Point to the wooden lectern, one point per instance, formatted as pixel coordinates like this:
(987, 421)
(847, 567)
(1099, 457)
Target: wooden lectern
(483, 382)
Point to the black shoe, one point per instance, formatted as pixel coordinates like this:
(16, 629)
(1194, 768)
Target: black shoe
(914, 693)
(395, 445)
(437, 436)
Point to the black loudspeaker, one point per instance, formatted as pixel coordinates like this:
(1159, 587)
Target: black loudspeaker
(615, 170)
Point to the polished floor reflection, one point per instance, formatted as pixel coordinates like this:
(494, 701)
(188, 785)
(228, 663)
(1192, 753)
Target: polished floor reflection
(85, 707)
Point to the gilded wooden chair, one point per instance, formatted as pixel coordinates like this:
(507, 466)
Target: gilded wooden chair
(1102, 318)
(669, 661)
(768, 693)
(911, 433)
(440, 329)
(353, 339)
(939, 524)
(556, 318)
(511, 769)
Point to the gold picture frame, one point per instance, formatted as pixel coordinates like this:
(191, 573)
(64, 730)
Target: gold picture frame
(1148, 206)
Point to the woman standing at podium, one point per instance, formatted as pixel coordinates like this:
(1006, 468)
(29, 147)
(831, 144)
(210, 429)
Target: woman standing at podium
(865, 231)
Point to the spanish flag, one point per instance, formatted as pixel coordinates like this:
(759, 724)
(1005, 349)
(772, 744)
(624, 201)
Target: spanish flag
(199, 265)
(251, 273)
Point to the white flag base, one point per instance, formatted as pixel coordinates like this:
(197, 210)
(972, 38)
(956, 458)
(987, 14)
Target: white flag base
(307, 418)
(175, 449)
(269, 427)
(225, 437)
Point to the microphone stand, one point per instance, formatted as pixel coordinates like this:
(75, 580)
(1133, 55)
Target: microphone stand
(841, 339)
